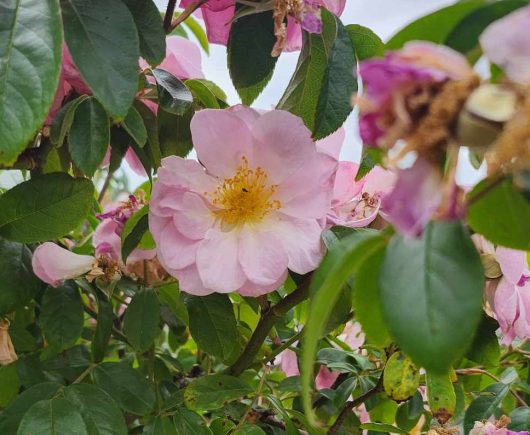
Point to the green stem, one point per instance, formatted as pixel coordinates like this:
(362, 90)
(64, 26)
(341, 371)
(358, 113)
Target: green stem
(282, 347)
(266, 323)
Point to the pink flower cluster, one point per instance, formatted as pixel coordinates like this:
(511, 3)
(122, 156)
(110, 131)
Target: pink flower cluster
(489, 428)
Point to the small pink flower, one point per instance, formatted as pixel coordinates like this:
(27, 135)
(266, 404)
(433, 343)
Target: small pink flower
(249, 211)
(390, 82)
(53, 264)
(415, 197)
(7, 350)
(489, 428)
(506, 43)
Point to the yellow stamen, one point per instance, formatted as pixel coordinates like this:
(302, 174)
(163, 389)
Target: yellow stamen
(246, 197)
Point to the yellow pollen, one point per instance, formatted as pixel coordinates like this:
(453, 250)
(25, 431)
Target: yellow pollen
(246, 197)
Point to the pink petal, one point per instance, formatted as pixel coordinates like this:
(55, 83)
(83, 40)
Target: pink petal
(282, 144)
(195, 218)
(379, 181)
(141, 255)
(221, 140)
(301, 240)
(506, 43)
(217, 262)
(71, 74)
(513, 263)
(254, 290)
(483, 245)
(325, 378)
(345, 187)
(183, 58)
(294, 35)
(190, 281)
(261, 256)
(332, 144)
(105, 239)
(186, 174)
(353, 335)
(335, 6)
(176, 250)
(218, 24)
(245, 113)
(53, 264)
(289, 363)
(134, 163)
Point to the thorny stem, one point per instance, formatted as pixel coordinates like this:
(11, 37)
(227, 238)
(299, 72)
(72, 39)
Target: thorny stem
(267, 321)
(185, 14)
(352, 404)
(168, 17)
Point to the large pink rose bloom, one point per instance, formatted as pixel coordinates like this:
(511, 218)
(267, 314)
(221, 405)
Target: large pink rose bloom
(218, 14)
(249, 210)
(506, 43)
(390, 82)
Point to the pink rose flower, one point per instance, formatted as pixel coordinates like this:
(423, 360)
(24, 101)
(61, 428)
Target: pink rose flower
(249, 211)
(218, 14)
(53, 264)
(505, 42)
(489, 428)
(389, 83)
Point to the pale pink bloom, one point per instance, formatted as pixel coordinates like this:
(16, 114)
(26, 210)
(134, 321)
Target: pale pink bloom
(7, 350)
(506, 43)
(218, 14)
(416, 196)
(249, 211)
(488, 428)
(353, 335)
(511, 295)
(389, 82)
(289, 362)
(53, 264)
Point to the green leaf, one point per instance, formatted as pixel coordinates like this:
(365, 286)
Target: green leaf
(174, 133)
(29, 70)
(485, 405)
(520, 419)
(485, 349)
(127, 386)
(431, 294)
(44, 208)
(150, 29)
(61, 316)
(103, 330)
(9, 384)
(401, 377)
(160, 426)
(328, 281)
(198, 31)
(366, 43)
(367, 300)
(249, 54)
(89, 135)
(53, 417)
(152, 147)
(435, 27)
(249, 429)
(500, 213)
(321, 88)
(465, 35)
(103, 41)
(10, 417)
(98, 410)
(63, 121)
(214, 391)
(18, 284)
(170, 295)
(173, 95)
(189, 423)
(141, 320)
(441, 396)
(213, 324)
(133, 232)
(134, 125)
(382, 427)
(203, 93)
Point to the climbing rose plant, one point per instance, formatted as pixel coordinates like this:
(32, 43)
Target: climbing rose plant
(255, 283)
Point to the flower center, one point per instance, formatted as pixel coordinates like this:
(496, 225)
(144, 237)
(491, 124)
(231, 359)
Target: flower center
(246, 197)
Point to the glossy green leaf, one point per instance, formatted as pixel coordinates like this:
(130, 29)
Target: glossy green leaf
(9, 384)
(189, 423)
(133, 231)
(366, 43)
(249, 54)
(29, 70)
(103, 331)
(18, 284)
(213, 324)
(152, 147)
(98, 410)
(485, 349)
(174, 133)
(203, 93)
(520, 419)
(63, 121)
(160, 426)
(212, 392)
(103, 41)
(127, 386)
(10, 417)
(485, 405)
(141, 320)
(401, 377)
(134, 125)
(431, 294)
(173, 95)
(89, 135)
(320, 90)
(338, 266)
(500, 213)
(150, 29)
(198, 31)
(44, 208)
(441, 396)
(61, 316)
(367, 300)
